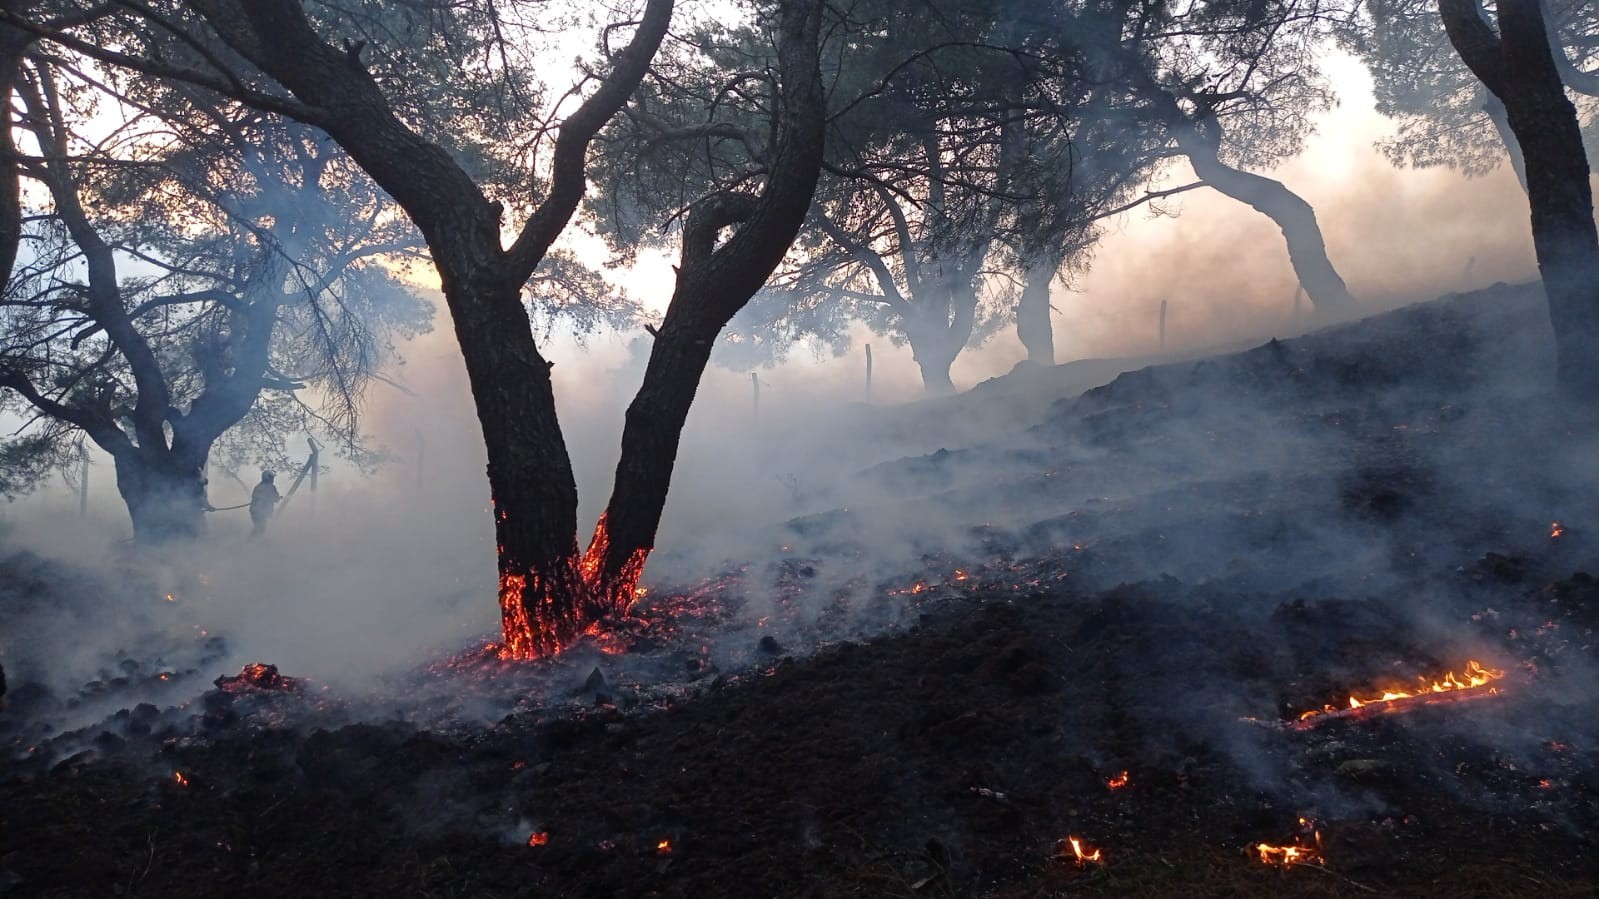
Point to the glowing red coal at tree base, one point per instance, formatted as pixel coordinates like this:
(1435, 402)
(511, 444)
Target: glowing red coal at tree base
(543, 612)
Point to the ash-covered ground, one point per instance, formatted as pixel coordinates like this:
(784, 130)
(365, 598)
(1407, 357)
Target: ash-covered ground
(1136, 590)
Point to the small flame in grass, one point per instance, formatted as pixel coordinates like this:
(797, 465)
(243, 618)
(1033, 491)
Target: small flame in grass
(1287, 855)
(171, 598)
(1119, 781)
(538, 838)
(177, 777)
(1298, 853)
(664, 847)
(1081, 853)
(1556, 529)
(1546, 784)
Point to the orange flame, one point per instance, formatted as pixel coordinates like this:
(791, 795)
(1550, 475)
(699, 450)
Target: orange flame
(1475, 677)
(1556, 529)
(538, 838)
(1119, 781)
(180, 779)
(1296, 854)
(1081, 853)
(1287, 855)
(664, 847)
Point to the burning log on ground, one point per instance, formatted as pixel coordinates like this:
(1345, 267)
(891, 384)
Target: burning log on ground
(1476, 683)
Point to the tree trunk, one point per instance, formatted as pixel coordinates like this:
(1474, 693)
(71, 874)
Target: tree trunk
(1518, 66)
(549, 594)
(1495, 108)
(934, 350)
(542, 600)
(1307, 250)
(165, 497)
(13, 43)
(1559, 192)
(1033, 325)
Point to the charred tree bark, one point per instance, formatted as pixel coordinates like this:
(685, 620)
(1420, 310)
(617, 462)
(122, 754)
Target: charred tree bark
(1033, 325)
(1519, 67)
(1307, 249)
(713, 283)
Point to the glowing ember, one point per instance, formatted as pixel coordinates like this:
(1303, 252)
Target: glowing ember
(664, 847)
(178, 777)
(1081, 853)
(545, 610)
(171, 598)
(258, 678)
(538, 838)
(1556, 529)
(1119, 781)
(1301, 852)
(1476, 682)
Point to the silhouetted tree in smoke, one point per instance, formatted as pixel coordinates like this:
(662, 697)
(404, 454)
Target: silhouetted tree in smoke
(1445, 115)
(204, 268)
(1230, 83)
(1518, 64)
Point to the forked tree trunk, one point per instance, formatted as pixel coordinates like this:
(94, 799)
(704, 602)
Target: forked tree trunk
(1033, 325)
(1518, 66)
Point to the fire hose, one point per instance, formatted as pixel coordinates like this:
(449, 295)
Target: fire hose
(304, 470)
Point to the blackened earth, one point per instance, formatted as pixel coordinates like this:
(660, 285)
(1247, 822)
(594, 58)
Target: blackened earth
(1109, 629)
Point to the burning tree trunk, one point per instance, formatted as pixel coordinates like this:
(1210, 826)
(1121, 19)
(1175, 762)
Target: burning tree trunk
(548, 593)
(1033, 326)
(1519, 67)
(543, 610)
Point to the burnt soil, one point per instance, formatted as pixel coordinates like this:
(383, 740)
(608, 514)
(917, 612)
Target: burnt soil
(952, 753)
